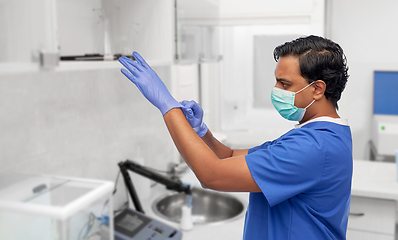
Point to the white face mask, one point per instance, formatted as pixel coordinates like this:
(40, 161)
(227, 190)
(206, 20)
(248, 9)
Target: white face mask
(283, 102)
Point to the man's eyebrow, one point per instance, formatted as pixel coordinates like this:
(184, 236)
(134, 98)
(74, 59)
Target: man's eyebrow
(283, 80)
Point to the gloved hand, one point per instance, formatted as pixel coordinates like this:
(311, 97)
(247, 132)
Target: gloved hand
(194, 114)
(149, 83)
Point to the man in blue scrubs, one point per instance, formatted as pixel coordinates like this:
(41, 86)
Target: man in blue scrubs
(300, 183)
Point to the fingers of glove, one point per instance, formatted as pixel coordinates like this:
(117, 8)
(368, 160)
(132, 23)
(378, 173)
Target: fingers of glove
(184, 109)
(132, 78)
(184, 102)
(141, 60)
(130, 64)
(128, 75)
(127, 63)
(189, 104)
(196, 109)
(188, 113)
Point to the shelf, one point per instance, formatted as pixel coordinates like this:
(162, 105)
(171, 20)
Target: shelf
(87, 65)
(99, 65)
(7, 68)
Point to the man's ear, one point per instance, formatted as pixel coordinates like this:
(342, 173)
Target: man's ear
(320, 88)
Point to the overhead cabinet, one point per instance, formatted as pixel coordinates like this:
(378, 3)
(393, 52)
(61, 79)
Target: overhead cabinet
(197, 31)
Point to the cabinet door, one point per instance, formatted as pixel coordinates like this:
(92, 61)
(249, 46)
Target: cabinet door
(197, 31)
(372, 215)
(361, 235)
(27, 27)
(117, 27)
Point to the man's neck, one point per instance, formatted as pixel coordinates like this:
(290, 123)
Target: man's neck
(323, 108)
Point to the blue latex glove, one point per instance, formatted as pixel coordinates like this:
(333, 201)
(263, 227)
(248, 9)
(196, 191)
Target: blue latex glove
(149, 83)
(194, 114)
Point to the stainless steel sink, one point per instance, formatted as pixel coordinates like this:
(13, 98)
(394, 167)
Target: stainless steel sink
(207, 206)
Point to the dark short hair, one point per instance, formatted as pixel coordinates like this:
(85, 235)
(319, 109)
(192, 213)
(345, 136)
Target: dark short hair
(319, 59)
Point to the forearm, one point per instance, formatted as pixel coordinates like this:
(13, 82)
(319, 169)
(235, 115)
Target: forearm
(194, 151)
(216, 146)
(230, 174)
(220, 149)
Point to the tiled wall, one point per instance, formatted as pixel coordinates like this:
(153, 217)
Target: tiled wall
(79, 123)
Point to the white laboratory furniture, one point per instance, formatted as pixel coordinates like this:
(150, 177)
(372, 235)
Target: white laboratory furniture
(197, 31)
(385, 115)
(384, 136)
(51, 207)
(374, 197)
(52, 28)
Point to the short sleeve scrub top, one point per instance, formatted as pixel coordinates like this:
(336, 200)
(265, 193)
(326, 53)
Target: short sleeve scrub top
(305, 179)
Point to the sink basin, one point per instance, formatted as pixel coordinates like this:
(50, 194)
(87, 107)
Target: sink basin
(207, 206)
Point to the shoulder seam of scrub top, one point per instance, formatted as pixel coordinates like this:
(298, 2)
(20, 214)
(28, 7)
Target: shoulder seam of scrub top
(324, 119)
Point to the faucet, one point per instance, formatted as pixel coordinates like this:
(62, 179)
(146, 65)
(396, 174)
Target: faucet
(170, 183)
(175, 169)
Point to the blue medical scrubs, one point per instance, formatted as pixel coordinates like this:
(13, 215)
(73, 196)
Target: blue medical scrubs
(305, 179)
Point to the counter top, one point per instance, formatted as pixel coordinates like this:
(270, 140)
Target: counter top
(375, 180)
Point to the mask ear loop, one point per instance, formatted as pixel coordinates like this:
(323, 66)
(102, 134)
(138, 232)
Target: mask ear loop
(305, 88)
(302, 90)
(309, 104)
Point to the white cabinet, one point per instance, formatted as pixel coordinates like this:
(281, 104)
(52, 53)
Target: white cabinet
(161, 30)
(371, 217)
(197, 31)
(27, 27)
(117, 27)
(361, 235)
(374, 196)
(74, 27)
(198, 12)
(255, 12)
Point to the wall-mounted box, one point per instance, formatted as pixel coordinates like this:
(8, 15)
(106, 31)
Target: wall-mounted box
(49, 207)
(385, 93)
(384, 131)
(384, 135)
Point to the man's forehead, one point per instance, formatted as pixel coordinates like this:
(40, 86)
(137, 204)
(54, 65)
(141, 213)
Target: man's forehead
(287, 65)
(288, 71)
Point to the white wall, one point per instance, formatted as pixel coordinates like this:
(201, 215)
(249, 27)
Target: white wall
(366, 30)
(79, 123)
(81, 119)
(244, 122)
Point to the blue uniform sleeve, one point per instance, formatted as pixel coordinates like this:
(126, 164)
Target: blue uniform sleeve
(287, 166)
(264, 145)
